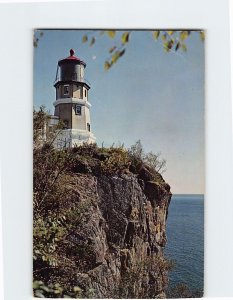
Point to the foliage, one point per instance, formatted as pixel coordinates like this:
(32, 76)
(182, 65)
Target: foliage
(152, 160)
(48, 166)
(40, 118)
(59, 215)
(36, 37)
(42, 133)
(171, 40)
(57, 291)
(117, 161)
(55, 219)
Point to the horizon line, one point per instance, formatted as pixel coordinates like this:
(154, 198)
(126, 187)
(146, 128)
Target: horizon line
(188, 194)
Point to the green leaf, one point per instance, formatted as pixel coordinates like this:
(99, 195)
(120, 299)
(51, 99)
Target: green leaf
(165, 46)
(156, 34)
(39, 294)
(202, 35)
(111, 33)
(184, 48)
(170, 44)
(84, 38)
(170, 32)
(36, 284)
(77, 289)
(107, 65)
(177, 46)
(125, 37)
(92, 41)
(122, 52)
(112, 49)
(115, 57)
(183, 35)
(45, 288)
(164, 37)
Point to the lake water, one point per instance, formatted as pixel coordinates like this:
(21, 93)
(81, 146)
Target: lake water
(185, 234)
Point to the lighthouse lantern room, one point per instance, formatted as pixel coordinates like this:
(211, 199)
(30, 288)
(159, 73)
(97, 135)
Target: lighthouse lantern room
(72, 106)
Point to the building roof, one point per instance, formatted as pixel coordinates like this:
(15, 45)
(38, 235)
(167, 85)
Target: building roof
(71, 58)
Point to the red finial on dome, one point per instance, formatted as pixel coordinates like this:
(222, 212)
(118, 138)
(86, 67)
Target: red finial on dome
(72, 59)
(72, 52)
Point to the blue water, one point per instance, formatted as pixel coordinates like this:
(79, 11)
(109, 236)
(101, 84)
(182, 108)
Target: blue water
(185, 234)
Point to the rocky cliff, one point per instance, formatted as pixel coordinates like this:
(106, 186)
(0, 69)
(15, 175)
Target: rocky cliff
(116, 247)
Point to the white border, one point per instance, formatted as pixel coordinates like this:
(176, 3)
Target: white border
(16, 53)
(231, 47)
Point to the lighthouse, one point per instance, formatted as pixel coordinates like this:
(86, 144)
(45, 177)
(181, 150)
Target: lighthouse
(72, 106)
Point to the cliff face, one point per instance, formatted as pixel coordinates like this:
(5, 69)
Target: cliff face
(99, 224)
(121, 235)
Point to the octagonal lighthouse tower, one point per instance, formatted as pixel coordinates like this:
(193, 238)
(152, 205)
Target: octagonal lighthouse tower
(72, 106)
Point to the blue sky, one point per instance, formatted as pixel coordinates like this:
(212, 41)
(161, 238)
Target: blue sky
(148, 94)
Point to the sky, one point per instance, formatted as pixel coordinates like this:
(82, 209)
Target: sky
(149, 94)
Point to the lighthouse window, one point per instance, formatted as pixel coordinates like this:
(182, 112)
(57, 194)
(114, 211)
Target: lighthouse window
(88, 127)
(66, 89)
(78, 109)
(85, 93)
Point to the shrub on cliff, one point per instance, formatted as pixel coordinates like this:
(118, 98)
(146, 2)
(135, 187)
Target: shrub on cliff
(42, 132)
(152, 160)
(117, 161)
